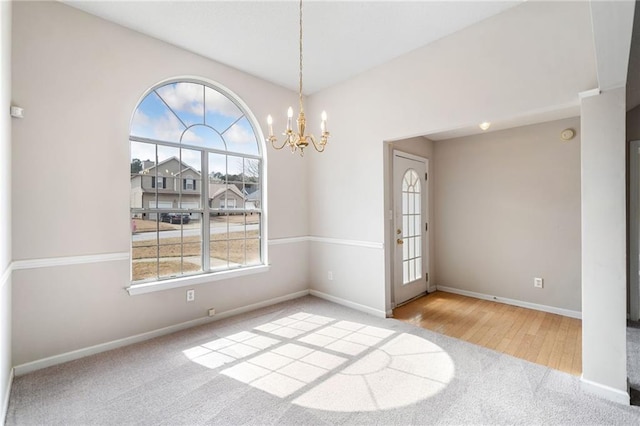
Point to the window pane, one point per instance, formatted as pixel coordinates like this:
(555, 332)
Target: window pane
(218, 226)
(192, 257)
(154, 120)
(405, 249)
(188, 180)
(412, 270)
(185, 100)
(219, 254)
(221, 112)
(253, 221)
(179, 241)
(409, 243)
(203, 136)
(405, 203)
(241, 138)
(253, 252)
(405, 226)
(144, 250)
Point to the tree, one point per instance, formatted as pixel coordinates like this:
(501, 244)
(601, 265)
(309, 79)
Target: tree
(136, 165)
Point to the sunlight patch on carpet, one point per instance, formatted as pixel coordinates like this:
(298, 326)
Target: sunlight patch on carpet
(326, 364)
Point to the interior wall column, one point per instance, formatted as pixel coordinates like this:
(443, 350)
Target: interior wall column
(604, 305)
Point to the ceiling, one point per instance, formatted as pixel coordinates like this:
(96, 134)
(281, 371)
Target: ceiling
(341, 38)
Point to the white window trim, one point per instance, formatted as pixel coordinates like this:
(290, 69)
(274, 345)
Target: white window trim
(153, 286)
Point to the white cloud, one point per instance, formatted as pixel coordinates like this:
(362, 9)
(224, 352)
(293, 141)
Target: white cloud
(141, 123)
(220, 104)
(238, 134)
(188, 97)
(183, 97)
(169, 128)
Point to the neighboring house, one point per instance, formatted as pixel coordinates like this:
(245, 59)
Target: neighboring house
(177, 185)
(223, 196)
(253, 199)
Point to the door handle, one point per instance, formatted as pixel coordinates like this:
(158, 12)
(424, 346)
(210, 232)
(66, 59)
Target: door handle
(399, 241)
(398, 231)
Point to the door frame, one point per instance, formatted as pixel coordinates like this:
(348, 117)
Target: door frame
(389, 234)
(424, 218)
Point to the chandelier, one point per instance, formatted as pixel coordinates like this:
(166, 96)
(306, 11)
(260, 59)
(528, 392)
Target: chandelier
(298, 139)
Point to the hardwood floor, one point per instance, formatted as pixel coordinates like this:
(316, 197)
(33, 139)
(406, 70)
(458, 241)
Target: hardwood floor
(540, 337)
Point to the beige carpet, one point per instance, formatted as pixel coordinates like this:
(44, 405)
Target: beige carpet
(306, 361)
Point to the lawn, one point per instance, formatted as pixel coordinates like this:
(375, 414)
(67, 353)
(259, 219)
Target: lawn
(143, 225)
(171, 249)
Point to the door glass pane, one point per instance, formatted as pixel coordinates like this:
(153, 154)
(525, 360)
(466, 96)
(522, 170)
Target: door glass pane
(412, 228)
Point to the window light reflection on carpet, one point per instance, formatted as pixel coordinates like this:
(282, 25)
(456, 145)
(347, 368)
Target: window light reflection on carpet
(323, 363)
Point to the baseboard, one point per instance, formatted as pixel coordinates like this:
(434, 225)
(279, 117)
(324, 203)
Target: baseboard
(520, 303)
(103, 347)
(349, 304)
(606, 392)
(5, 403)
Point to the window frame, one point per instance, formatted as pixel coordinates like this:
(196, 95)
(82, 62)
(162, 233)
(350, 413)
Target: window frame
(205, 211)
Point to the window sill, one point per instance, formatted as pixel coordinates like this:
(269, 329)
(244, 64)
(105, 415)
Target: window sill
(154, 286)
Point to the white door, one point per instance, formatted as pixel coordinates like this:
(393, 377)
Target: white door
(410, 226)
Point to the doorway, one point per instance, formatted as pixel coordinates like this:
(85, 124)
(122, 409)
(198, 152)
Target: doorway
(410, 226)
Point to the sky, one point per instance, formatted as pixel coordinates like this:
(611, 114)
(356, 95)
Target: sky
(193, 115)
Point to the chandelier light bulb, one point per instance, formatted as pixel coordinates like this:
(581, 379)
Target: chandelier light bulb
(289, 118)
(270, 123)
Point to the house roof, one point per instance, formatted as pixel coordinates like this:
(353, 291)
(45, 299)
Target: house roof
(255, 195)
(185, 166)
(215, 189)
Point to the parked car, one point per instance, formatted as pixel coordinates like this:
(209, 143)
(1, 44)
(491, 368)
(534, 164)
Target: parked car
(175, 218)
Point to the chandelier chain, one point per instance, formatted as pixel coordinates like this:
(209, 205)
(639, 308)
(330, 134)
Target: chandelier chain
(300, 91)
(297, 139)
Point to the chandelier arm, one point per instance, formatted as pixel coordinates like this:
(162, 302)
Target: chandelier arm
(273, 141)
(318, 146)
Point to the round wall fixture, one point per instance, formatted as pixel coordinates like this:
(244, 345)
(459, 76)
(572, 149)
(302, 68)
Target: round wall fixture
(567, 134)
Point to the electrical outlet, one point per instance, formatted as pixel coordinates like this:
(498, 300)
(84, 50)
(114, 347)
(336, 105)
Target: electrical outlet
(191, 295)
(538, 282)
(330, 276)
(212, 312)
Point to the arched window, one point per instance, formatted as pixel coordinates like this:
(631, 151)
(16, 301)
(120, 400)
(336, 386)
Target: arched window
(196, 161)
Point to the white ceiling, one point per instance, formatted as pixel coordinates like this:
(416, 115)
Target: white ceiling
(341, 38)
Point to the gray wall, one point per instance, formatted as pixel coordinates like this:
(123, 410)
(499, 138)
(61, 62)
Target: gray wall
(79, 79)
(450, 84)
(507, 209)
(5, 206)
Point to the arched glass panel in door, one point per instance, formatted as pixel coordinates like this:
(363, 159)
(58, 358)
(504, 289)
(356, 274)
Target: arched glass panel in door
(411, 227)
